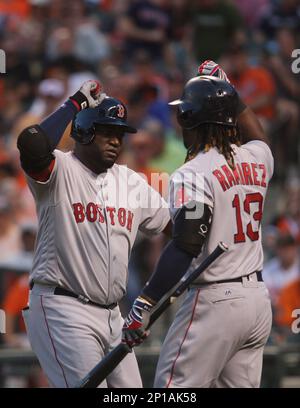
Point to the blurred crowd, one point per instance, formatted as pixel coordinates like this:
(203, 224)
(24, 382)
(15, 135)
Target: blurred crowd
(143, 51)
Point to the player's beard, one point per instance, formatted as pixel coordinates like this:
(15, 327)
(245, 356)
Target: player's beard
(108, 162)
(110, 156)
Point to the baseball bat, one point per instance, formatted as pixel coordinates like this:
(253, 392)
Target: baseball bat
(111, 360)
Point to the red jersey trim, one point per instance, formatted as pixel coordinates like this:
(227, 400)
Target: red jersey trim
(184, 338)
(52, 342)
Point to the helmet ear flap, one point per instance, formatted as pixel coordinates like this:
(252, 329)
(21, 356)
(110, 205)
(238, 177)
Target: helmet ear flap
(83, 136)
(185, 115)
(184, 118)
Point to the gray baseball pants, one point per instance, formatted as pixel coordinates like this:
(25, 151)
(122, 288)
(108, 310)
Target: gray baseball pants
(70, 338)
(217, 337)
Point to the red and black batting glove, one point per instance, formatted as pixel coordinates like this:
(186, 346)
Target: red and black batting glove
(211, 68)
(134, 329)
(90, 95)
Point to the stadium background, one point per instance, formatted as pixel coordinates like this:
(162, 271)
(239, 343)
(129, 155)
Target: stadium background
(143, 52)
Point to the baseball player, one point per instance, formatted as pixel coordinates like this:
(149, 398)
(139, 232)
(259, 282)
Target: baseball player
(89, 215)
(219, 332)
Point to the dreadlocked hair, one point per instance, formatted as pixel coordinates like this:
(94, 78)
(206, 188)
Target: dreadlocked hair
(211, 135)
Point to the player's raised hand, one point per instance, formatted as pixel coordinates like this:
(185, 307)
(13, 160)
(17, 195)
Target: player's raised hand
(211, 68)
(136, 322)
(89, 95)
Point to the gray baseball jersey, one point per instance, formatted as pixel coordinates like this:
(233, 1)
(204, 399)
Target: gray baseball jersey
(87, 226)
(218, 335)
(236, 198)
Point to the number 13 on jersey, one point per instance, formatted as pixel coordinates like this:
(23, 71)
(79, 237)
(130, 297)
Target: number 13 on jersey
(252, 202)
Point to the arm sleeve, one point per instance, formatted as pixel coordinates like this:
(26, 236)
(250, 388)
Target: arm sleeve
(172, 265)
(55, 124)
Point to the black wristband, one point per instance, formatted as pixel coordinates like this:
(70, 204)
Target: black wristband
(80, 100)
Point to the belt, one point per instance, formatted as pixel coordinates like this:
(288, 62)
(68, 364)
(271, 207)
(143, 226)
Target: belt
(240, 279)
(81, 298)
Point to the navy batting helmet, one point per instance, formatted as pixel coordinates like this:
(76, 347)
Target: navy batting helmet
(110, 112)
(207, 99)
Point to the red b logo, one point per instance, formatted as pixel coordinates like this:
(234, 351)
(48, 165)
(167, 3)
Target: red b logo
(121, 111)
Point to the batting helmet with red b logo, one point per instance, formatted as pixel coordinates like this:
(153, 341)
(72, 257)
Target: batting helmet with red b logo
(111, 112)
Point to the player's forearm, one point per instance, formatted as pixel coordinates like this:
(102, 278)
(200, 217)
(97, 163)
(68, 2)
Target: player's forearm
(171, 266)
(56, 123)
(250, 127)
(37, 142)
(89, 96)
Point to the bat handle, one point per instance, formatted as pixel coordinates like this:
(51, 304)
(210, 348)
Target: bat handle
(108, 364)
(223, 246)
